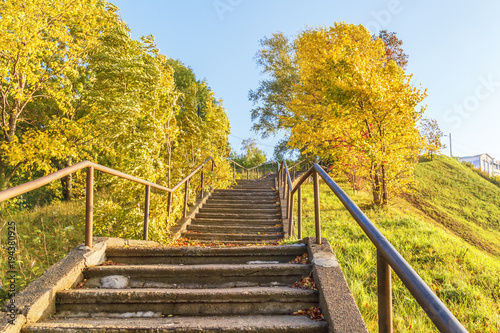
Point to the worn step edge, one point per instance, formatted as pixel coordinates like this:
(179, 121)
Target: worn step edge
(199, 270)
(231, 237)
(276, 215)
(194, 251)
(229, 221)
(200, 227)
(243, 203)
(207, 296)
(227, 324)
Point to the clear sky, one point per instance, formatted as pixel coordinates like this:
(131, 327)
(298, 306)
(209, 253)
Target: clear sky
(452, 46)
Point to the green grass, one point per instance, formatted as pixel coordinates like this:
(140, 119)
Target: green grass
(44, 236)
(457, 259)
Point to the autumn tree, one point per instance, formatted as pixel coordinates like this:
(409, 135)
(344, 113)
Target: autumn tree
(202, 120)
(353, 104)
(429, 130)
(393, 48)
(43, 43)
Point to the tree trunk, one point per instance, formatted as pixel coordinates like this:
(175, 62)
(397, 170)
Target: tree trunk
(3, 176)
(384, 187)
(67, 183)
(376, 188)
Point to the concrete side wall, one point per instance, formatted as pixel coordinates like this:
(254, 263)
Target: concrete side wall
(336, 300)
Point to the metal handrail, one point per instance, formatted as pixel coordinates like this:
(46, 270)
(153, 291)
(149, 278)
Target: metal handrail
(387, 255)
(90, 166)
(249, 169)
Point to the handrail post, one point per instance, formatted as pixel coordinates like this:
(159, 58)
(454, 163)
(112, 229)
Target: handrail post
(316, 207)
(285, 185)
(186, 191)
(146, 212)
(247, 174)
(202, 186)
(299, 213)
(89, 207)
(384, 289)
(212, 181)
(234, 171)
(169, 203)
(264, 170)
(290, 213)
(282, 168)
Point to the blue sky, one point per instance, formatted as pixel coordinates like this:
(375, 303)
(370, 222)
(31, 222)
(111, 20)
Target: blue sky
(452, 46)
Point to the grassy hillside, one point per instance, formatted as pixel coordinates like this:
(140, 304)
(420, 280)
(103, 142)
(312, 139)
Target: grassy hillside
(448, 230)
(460, 200)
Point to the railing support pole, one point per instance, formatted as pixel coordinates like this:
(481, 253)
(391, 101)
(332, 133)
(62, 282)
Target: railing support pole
(212, 181)
(146, 212)
(89, 207)
(234, 171)
(186, 194)
(169, 203)
(290, 213)
(299, 213)
(384, 288)
(202, 186)
(247, 173)
(264, 171)
(316, 207)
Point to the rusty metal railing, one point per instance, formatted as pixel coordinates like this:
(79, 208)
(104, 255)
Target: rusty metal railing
(387, 256)
(89, 206)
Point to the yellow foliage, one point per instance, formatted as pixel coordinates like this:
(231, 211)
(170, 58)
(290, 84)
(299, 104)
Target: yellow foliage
(355, 108)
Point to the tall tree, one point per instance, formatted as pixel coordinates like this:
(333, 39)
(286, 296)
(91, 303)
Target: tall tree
(276, 59)
(352, 104)
(251, 154)
(41, 45)
(360, 103)
(432, 134)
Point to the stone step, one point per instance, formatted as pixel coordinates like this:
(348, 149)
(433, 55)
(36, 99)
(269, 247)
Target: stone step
(236, 205)
(203, 255)
(236, 193)
(244, 196)
(226, 324)
(185, 302)
(198, 276)
(242, 216)
(246, 210)
(237, 222)
(231, 237)
(199, 227)
(245, 200)
(248, 190)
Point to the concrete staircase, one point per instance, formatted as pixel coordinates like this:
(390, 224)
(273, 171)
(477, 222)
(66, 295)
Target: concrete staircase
(247, 213)
(198, 289)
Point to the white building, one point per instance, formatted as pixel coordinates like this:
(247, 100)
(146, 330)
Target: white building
(484, 162)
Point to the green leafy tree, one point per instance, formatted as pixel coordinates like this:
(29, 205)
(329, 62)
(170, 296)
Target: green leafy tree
(251, 156)
(271, 98)
(42, 44)
(429, 129)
